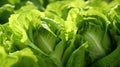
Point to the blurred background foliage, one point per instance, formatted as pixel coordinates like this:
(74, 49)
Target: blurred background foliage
(8, 7)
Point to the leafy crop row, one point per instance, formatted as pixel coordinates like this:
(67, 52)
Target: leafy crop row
(67, 33)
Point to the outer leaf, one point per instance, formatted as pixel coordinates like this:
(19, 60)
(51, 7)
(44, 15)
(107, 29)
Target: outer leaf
(5, 59)
(77, 58)
(111, 60)
(26, 58)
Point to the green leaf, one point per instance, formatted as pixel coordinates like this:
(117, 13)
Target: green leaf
(64, 7)
(26, 58)
(5, 59)
(114, 16)
(58, 53)
(5, 37)
(45, 40)
(5, 12)
(77, 58)
(111, 60)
